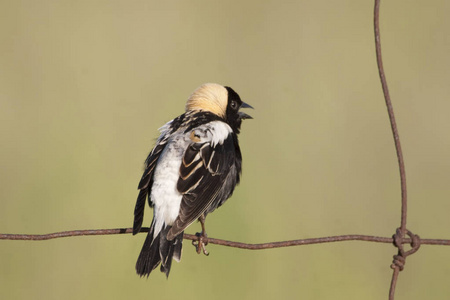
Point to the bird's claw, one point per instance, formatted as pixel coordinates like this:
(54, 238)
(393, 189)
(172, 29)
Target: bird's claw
(200, 243)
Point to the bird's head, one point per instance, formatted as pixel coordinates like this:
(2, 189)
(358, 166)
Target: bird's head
(220, 100)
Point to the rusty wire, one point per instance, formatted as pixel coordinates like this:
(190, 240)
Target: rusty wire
(387, 97)
(398, 239)
(400, 258)
(192, 237)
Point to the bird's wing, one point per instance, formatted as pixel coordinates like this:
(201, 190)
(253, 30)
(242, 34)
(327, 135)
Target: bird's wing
(146, 182)
(204, 178)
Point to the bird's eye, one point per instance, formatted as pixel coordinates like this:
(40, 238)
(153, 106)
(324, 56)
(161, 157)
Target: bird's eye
(234, 105)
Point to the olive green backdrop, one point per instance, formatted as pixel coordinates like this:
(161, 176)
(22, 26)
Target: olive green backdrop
(84, 86)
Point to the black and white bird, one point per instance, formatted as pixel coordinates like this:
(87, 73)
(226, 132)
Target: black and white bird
(193, 169)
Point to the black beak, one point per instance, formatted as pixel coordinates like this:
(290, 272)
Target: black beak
(242, 115)
(246, 105)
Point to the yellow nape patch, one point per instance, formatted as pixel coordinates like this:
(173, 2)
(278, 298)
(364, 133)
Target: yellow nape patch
(210, 97)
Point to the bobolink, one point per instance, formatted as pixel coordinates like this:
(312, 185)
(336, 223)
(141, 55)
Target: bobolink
(193, 169)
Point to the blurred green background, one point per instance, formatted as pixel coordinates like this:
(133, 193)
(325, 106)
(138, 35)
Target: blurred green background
(84, 86)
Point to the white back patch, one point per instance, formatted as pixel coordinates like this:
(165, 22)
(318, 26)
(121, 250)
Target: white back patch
(220, 132)
(215, 132)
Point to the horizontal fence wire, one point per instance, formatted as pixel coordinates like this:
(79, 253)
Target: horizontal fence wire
(193, 237)
(398, 239)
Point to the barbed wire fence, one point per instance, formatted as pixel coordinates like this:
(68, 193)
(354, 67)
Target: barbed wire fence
(402, 234)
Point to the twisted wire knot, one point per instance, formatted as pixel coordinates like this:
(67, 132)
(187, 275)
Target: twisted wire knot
(400, 259)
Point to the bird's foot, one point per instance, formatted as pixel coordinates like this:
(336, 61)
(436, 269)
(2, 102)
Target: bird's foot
(201, 242)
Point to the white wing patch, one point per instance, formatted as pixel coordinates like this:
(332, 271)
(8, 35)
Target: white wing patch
(215, 132)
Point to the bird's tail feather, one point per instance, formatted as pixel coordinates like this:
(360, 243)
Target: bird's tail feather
(158, 250)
